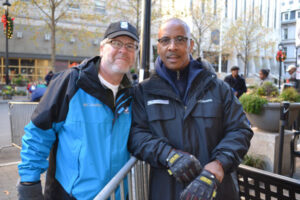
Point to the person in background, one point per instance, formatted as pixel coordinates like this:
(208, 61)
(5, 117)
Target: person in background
(187, 124)
(48, 77)
(264, 75)
(84, 118)
(236, 82)
(291, 80)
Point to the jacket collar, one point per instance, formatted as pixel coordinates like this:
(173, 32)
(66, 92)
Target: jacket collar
(195, 68)
(88, 80)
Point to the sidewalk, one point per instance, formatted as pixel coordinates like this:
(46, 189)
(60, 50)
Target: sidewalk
(9, 160)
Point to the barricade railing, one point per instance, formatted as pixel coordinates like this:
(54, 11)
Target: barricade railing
(137, 173)
(19, 115)
(254, 184)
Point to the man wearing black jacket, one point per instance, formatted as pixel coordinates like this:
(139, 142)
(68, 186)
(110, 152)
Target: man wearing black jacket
(187, 124)
(236, 82)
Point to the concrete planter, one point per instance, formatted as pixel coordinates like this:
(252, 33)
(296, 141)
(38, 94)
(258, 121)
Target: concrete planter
(21, 88)
(269, 118)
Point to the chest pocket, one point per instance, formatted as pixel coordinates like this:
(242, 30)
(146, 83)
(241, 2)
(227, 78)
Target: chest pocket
(207, 109)
(160, 109)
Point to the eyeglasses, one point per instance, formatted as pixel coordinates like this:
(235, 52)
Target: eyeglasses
(179, 40)
(118, 45)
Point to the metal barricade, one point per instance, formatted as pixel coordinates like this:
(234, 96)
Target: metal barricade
(19, 115)
(254, 184)
(137, 173)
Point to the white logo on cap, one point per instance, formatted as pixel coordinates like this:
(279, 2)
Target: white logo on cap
(124, 25)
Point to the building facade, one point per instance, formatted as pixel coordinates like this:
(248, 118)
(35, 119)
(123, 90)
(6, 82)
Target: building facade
(290, 16)
(30, 47)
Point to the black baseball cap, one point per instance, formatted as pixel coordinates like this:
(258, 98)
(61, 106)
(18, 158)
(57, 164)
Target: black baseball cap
(121, 28)
(235, 68)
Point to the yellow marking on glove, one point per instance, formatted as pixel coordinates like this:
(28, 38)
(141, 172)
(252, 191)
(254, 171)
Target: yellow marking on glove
(206, 180)
(174, 158)
(170, 172)
(214, 194)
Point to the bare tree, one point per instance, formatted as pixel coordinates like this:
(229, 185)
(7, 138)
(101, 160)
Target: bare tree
(204, 19)
(53, 12)
(247, 37)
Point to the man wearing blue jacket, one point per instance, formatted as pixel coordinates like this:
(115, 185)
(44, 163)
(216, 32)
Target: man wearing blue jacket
(84, 119)
(187, 124)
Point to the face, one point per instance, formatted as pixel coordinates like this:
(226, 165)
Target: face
(235, 73)
(292, 70)
(261, 75)
(174, 55)
(117, 60)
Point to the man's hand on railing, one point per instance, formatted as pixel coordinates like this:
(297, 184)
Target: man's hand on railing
(183, 166)
(204, 187)
(30, 191)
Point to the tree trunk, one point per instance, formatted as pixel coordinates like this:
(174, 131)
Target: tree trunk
(246, 65)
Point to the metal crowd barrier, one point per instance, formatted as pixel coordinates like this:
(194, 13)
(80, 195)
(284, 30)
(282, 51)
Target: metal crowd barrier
(19, 114)
(254, 184)
(137, 173)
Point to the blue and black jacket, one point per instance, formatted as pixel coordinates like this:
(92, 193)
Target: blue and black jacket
(77, 116)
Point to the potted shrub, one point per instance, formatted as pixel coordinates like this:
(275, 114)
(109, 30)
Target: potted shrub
(262, 106)
(7, 92)
(254, 161)
(20, 83)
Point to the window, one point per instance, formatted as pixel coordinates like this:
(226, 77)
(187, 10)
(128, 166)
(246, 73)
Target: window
(215, 7)
(283, 4)
(47, 37)
(286, 16)
(236, 5)
(74, 5)
(291, 1)
(285, 50)
(298, 14)
(99, 6)
(285, 34)
(292, 15)
(226, 8)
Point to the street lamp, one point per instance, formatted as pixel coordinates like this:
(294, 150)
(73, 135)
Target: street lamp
(6, 4)
(280, 57)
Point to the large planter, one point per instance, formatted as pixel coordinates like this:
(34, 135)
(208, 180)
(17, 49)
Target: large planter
(269, 118)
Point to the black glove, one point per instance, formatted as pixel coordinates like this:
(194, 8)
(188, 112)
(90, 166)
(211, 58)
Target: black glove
(30, 192)
(204, 187)
(183, 166)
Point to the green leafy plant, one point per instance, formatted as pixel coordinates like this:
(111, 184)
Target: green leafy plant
(267, 89)
(20, 80)
(290, 94)
(252, 103)
(254, 161)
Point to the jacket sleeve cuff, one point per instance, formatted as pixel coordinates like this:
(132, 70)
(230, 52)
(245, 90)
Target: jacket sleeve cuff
(164, 154)
(225, 161)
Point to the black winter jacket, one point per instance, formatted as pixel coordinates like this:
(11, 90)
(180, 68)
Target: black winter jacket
(212, 125)
(238, 84)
